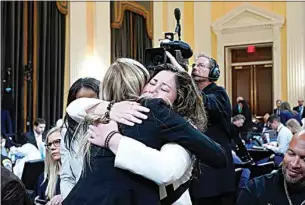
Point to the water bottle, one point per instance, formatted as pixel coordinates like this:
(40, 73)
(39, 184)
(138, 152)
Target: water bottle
(13, 158)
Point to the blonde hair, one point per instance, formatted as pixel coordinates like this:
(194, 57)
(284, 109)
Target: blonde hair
(124, 80)
(51, 168)
(294, 126)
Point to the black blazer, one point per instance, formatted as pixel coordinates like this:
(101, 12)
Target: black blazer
(112, 186)
(276, 110)
(297, 109)
(30, 138)
(213, 182)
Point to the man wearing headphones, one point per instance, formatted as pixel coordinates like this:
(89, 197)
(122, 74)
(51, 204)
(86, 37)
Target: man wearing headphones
(214, 186)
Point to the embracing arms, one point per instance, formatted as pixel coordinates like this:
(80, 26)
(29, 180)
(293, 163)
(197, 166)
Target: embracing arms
(125, 112)
(162, 167)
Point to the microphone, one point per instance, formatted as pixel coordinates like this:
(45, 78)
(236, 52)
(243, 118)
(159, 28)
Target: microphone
(177, 13)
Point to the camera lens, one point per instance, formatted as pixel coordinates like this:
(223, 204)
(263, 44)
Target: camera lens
(157, 60)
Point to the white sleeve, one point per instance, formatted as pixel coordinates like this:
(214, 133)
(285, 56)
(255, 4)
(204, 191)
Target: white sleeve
(77, 108)
(162, 167)
(67, 179)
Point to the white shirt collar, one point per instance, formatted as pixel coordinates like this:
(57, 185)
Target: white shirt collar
(279, 127)
(35, 134)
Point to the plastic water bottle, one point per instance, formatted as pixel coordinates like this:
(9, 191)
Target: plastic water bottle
(13, 158)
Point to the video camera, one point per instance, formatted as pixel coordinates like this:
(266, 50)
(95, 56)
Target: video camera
(157, 56)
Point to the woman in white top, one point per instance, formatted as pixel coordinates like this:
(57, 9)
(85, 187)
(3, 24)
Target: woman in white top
(71, 163)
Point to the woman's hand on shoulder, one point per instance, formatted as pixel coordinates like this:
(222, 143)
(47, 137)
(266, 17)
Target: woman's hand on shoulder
(128, 113)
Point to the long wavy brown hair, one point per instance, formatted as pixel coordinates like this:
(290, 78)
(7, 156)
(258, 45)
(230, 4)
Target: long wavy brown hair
(189, 102)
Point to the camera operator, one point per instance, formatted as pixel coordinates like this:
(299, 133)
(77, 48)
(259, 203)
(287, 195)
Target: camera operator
(214, 186)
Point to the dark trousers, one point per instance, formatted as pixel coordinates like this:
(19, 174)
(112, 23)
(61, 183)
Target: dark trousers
(224, 199)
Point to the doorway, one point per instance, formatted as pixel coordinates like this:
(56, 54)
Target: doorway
(252, 78)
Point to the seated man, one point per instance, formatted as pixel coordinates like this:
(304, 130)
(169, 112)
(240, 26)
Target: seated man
(283, 187)
(283, 138)
(237, 144)
(13, 191)
(35, 137)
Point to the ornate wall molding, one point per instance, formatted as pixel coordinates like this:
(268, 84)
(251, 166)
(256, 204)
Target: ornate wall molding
(62, 6)
(249, 24)
(121, 6)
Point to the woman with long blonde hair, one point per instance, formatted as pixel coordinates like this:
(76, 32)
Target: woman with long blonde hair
(48, 189)
(126, 79)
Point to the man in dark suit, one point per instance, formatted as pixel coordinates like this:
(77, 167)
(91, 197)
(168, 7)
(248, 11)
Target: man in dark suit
(35, 137)
(300, 108)
(277, 110)
(214, 186)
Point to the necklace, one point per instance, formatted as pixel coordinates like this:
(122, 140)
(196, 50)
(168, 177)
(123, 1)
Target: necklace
(287, 194)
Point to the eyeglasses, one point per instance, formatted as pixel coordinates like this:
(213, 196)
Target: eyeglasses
(56, 143)
(199, 65)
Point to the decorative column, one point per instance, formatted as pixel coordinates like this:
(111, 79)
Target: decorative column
(102, 35)
(277, 62)
(295, 12)
(202, 28)
(90, 39)
(78, 39)
(158, 23)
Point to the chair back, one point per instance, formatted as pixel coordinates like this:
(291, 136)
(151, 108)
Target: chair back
(31, 172)
(238, 172)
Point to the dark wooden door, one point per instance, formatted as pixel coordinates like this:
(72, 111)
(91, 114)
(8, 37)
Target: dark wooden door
(263, 98)
(241, 78)
(254, 84)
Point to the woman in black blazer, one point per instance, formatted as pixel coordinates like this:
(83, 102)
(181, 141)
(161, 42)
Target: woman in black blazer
(101, 182)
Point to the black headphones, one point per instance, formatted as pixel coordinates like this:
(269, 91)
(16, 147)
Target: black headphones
(214, 71)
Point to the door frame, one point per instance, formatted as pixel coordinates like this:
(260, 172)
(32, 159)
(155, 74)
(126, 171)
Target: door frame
(253, 93)
(229, 64)
(248, 24)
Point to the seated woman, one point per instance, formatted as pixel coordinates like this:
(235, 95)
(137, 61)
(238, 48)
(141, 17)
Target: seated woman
(125, 80)
(48, 189)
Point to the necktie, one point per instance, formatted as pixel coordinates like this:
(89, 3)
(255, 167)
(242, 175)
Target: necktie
(239, 109)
